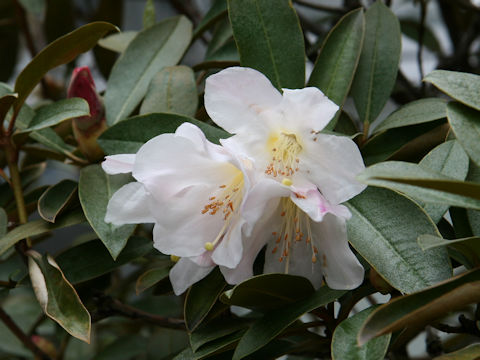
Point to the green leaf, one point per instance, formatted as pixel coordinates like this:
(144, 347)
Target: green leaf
(411, 28)
(3, 222)
(384, 228)
(57, 297)
(422, 184)
(57, 112)
(274, 322)
(55, 199)
(124, 348)
(129, 135)
(95, 188)
(268, 291)
(448, 159)
(118, 42)
(422, 307)
(172, 90)
(36, 7)
(38, 227)
(416, 112)
(6, 101)
(28, 175)
(269, 39)
(467, 353)
(61, 51)
(151, 50)
(377, 69)
(463, 87)
(52, 140)
(465, 123)
(216, 11)
(150, 278)
(149, 14)
(469, 247)
(344, 340)
(338, 59)
(201, 297)
(218, 346)
(90, 260)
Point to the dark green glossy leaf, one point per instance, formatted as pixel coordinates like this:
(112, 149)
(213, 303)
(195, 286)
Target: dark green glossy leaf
(463, 87)
(268, 291)
(95, 188)
(384, 228)
(465, 123)
(118, 42)
(416, 112)
(38, 227)
(218, 347)
(55, 199)
(129, 135)
(344, 340)
(151, 277)
(422, 307)
(55, 113)
(423, 184)
(377, 69)
(201, 297)
(216, 11)
(90, 260)
(227, 53)
(151, 50)
(269, 39)
(274, 322)
(57, 297)
(172, 90)
(338, 59)
(61, 51)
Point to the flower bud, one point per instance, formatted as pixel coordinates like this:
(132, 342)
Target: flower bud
(87, 129)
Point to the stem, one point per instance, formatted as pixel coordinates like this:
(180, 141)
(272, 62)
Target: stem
(421, 36)
(8, 321)
(12, 157)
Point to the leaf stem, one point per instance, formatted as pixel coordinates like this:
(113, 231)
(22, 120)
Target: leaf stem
(8, 321)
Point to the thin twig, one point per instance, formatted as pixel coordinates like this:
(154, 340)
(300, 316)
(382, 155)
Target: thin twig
(421, 36)
(8, 321)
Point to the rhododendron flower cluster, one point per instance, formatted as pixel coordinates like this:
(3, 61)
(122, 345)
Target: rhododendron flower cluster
(276, 182)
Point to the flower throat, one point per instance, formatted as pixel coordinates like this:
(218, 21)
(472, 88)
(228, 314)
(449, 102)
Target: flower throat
(284, 149)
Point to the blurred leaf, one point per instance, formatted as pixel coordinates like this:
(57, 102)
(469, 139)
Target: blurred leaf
(90, 260)
(150, 51)
(344, 340)
(36, 7)
(421, 308)
(377, 69)
(95, 188)
(420, 183)
(6, 102)
(463, 87)
(338, 59)
(57, 297)
(9, 40)
(150, 278)
(149, 14)
(61, 51)
(52, 140)
(55, 113)
(129, 135)
(124, 348)
(222, 33)
(384, 228)
(410, 28)
(268, 291)
(274, 322)
(226, 53)
(55, 199)
(27, 175)
(38, 227)
(448, 159)
(216, 11)
(465, 123)
(416, 112)
(470, 352)
(59, 18)
(217, 346)
(3, 222)
(201, 297)
(118, 42)
(269, 39)
(172, 90)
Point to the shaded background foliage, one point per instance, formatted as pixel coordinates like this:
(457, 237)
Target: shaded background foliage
(113, 283)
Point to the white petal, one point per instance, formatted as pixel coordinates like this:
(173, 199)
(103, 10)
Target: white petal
(340, 266)
(118, 164)
(229, 252)
(129, 205)
(235, 97)
(332, 163)
(306, 109)
(186, 273)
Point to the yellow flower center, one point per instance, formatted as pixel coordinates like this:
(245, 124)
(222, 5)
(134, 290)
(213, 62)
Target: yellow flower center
(285, 149)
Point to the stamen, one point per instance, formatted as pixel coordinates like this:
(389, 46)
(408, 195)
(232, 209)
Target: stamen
(174, 258)
(209, 246)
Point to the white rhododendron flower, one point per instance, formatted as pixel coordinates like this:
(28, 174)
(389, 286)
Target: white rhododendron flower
(316, 171)
(194, 192)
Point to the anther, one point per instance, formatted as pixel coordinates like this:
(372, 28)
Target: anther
(209, 246)
(287, 182)
(174, 258)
